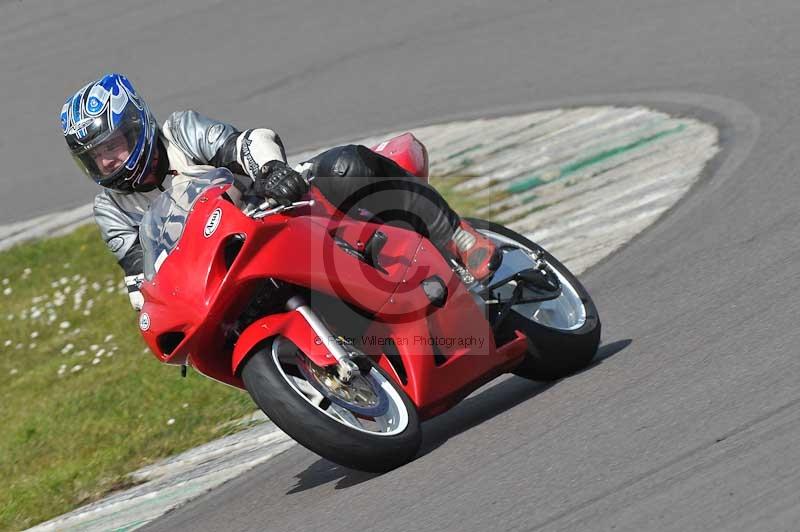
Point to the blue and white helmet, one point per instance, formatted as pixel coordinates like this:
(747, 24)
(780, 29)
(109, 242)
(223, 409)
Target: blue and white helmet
(97, 119)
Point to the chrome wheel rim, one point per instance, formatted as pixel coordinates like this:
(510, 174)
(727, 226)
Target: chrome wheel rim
(354, 406)
(565, 313)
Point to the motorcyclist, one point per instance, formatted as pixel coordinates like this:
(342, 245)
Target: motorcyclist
(116, 141)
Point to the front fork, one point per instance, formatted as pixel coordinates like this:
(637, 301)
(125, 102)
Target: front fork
(345, 367)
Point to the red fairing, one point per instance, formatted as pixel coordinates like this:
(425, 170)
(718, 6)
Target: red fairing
(449, 349)
(194, 303)
(408, 152)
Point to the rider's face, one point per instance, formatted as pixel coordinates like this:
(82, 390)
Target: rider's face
(112, 154)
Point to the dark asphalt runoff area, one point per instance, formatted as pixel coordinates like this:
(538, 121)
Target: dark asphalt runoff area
(691, 416)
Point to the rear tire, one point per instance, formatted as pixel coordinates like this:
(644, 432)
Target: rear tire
(553, 353)
(310, 426)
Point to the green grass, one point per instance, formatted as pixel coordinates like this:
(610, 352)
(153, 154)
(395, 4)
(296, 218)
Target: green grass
(72, 434)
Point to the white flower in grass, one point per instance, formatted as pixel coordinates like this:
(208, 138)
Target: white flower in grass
(34, 334)
(7, 291)
(54, 284)
(171, 421)
(100, 352)
(86, 313)
(110, 354)
(32, 346)
(5, 282)
(36, 314)
(96, 286)
(93, 347)
(76, 277)
(63, 281)
(62, 369)
(8, 343)
(13, 371)
(37, 299)
(10, 317)
(108, 338)
(185, 405)
(90, 303)
(64, 325)
(75, 331)
(67, 348)
(81, 353)
(18, 346)
(76, 368)
(95, 361)
(110, 289)
(67, 289)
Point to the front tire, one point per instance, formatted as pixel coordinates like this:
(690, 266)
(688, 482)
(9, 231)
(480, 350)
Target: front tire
(277, 377)
(553, 352)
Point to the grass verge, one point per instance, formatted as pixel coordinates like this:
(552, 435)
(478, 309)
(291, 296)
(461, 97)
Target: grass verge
(84, 403)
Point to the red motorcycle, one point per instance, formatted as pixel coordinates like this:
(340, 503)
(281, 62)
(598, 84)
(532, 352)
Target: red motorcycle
(347, 331)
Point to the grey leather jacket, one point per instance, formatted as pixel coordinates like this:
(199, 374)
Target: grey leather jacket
(193, 144)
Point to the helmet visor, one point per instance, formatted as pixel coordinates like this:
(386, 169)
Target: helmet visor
(106, 157)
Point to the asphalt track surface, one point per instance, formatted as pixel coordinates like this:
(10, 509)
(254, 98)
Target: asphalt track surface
(690, 417)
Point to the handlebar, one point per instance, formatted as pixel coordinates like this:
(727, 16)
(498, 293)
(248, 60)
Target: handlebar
(270, 206)
(252, 205)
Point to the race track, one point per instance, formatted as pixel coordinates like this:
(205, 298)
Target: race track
(690, 418)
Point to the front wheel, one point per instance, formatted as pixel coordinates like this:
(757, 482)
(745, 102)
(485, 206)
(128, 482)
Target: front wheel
(563, 333)
(368, 424)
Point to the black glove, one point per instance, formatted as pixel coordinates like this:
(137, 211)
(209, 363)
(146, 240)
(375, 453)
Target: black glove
(277, 180)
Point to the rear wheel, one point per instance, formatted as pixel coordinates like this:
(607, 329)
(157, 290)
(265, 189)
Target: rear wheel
(368, 423)
(563, 333)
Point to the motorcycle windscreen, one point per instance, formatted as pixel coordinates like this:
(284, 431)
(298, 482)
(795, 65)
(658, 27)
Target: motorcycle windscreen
(163, 224)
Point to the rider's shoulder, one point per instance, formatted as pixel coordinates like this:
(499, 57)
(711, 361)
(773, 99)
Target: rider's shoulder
(195, 133)
(105, 207)
(102, 198)
(187, 117)
(106, 200)
(178, 117)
